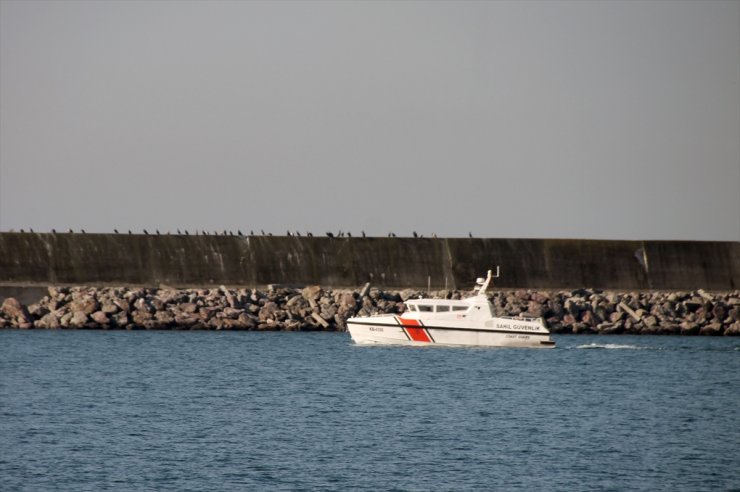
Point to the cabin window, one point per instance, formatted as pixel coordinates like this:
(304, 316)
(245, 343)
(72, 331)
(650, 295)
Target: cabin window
(412, 307)
(425, 309)
(443, 308)
(459, 308)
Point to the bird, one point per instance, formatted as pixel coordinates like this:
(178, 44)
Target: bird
(363, 233)
(251, 232)
(129, 231)
(415, 234)
(145, 232)
(178, 231)
(269, 234)
(53, 231)
(157, 232)
(262, 231)
(349, 234)
(115, 230)
(30, 230)
(289, 234)
(22, 230)
(298, 233)
(470, 234)
(186, 232)
(239, 232)
(205, 233)
(329, 234)
(82, 231)
(309, 234)
(434, 235)
(71, 231)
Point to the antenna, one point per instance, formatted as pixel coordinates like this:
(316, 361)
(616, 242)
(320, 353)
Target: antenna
(482, 284)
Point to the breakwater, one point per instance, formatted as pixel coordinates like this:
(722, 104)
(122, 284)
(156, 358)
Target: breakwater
(44, 259)
(315, 308)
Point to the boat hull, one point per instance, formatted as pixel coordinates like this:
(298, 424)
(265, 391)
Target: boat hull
(373, 331)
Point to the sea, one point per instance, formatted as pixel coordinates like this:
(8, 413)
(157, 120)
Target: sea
(182, 411)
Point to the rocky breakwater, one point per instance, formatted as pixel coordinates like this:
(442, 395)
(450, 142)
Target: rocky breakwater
(313, 308)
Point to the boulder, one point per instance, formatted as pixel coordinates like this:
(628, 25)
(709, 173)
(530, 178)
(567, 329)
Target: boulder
(49, 321)
(268, 311)
(733, 330)
(188, 307)
(78, 320)
(140, 317)
(13, 309)
(712, 329)
(312, 292)
(120, 319)
(100, 318)
(689, 328)
(85, 304)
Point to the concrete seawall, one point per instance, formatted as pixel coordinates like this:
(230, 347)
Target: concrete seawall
(28, 259)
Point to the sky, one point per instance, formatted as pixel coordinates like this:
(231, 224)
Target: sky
(554, 119)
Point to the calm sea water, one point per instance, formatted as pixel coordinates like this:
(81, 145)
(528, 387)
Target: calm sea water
(180, 411)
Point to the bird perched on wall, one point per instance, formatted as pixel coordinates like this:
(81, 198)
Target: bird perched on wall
(115, 230)
(22, 230)
(470, 234)
(30, 230)
(157, 232)
(82, 231)
(186, 232)
(239, 232)
(363, 233)
(178, 231)
(251, 232)
(262, 231)
(53, 231)
(309, 234)
(129, 231)
(349, 234)
(329, 234)
(145, 232)
(415, 234)
(289, 234)
(71, 231)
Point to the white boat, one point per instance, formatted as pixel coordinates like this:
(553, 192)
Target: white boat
(463, 322)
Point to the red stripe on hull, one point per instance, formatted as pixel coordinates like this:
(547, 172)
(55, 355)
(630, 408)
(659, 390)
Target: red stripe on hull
(415, 330)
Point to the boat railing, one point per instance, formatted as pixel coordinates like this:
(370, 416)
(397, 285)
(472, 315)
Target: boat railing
(520, 317)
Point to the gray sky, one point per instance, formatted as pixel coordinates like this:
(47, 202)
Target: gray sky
(605, 120)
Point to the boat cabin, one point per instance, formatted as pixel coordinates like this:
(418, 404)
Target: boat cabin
(472, 308)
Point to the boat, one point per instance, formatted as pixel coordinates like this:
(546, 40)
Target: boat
(466, 322)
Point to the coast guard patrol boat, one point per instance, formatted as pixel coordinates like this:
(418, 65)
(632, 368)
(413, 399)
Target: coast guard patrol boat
(464, 322)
